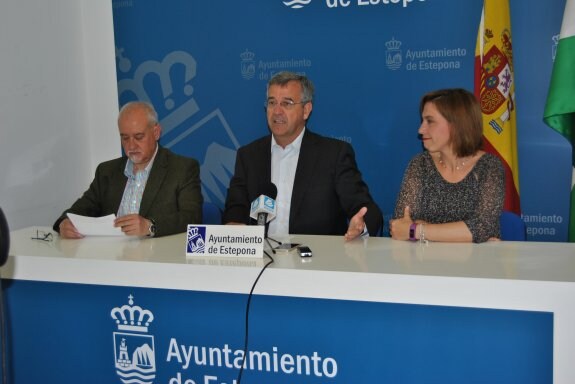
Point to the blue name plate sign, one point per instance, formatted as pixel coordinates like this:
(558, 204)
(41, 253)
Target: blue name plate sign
(238, 241)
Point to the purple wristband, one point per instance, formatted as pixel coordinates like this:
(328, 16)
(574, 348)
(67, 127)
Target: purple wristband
(412, 230)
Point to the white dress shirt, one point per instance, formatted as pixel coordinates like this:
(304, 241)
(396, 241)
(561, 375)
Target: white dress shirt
(284, 165)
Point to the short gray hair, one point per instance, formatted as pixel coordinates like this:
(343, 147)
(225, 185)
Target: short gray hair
(282, 78)
(144, 105)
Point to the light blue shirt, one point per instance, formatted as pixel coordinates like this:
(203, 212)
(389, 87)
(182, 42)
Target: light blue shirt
(134, 190)
(284, 165)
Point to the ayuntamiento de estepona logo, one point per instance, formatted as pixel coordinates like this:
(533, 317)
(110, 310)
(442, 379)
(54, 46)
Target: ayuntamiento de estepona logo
(134, 353)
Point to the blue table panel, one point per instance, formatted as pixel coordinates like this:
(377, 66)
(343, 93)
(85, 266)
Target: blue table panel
(65, 333)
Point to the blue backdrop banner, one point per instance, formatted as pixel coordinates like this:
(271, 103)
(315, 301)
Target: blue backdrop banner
(205, 64)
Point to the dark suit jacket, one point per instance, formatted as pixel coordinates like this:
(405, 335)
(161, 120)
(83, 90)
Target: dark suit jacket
(328, 188)
(172, 198)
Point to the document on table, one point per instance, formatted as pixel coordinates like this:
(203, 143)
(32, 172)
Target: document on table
(95, 226)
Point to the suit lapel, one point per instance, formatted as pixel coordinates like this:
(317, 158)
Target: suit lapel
(267, 161)
(304, 172)
(118, 185)
(157, 175)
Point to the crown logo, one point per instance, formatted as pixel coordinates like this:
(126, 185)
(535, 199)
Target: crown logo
(132, 317)
(196, 243)
(393, 44)
(177, 101)
(247, 55)
(393, 57)
(248, 66)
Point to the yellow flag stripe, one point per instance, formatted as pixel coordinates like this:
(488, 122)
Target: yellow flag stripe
(497, 93)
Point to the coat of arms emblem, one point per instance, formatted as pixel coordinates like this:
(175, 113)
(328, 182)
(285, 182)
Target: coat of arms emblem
(134, 353)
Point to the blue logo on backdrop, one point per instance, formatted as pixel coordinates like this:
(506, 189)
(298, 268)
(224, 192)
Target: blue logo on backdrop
(170, 80)
(134, 352)
(176, 113)
(196, 240)
(297, 4)
(393, 57)
(432, 59)
(248, 64)
(264, 69)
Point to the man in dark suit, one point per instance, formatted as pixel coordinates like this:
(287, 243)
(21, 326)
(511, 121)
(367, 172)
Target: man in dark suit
(153, 191)
(320, 189)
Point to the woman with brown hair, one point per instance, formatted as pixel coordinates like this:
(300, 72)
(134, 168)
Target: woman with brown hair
(453, 191)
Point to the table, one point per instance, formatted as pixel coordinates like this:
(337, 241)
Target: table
(375, 310)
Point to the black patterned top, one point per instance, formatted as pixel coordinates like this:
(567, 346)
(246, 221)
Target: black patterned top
(476, 200)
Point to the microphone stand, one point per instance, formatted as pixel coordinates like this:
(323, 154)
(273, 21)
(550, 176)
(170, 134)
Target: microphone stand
(270, 245)
(269, 238)
(275, 241)
(262, 220)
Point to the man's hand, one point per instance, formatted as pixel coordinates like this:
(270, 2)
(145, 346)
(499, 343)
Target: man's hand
(133, 225)
(68, 230)
(356, 225)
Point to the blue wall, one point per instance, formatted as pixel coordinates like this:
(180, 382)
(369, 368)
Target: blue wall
(204, 65)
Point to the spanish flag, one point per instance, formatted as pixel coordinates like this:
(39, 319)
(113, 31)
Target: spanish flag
(560, 107)
(495, 90)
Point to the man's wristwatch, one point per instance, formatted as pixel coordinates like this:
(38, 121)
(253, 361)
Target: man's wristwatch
(152, 228)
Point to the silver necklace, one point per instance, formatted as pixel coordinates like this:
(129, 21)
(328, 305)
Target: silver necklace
(458, 166)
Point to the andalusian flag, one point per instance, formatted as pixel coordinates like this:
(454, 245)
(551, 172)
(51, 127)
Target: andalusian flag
(560, 108)
(495, 90)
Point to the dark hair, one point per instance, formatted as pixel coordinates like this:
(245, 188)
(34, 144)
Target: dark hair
(282, 78)
(463, 113)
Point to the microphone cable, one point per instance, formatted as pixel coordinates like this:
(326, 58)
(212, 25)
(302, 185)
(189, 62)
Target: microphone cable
(239, 379)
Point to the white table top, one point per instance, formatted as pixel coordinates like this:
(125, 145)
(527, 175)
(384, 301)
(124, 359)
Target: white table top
(552, 262)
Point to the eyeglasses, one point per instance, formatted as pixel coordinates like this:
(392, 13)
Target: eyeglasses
(285, 104)
(44, 236)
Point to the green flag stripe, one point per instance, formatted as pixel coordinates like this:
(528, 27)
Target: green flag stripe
(560, 107)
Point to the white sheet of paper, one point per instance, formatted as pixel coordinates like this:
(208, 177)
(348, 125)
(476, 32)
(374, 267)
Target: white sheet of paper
(95, 226)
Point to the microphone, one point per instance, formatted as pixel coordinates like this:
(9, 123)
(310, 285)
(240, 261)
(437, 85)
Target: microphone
(263, 209)
(4, 239)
